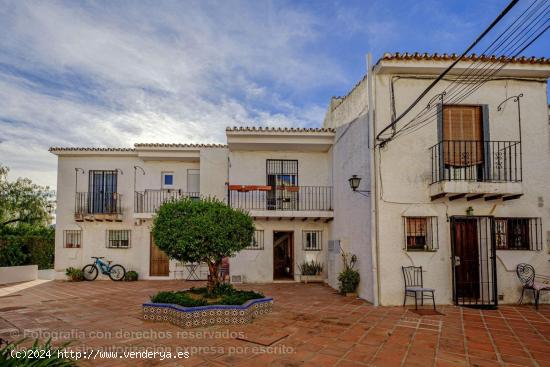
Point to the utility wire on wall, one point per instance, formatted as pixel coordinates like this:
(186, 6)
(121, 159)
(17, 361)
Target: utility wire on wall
(530, 25)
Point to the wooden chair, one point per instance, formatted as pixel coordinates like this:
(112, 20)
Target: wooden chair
(532, 281)
(414, 284)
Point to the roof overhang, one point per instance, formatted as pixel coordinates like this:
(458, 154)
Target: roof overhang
(318, 140)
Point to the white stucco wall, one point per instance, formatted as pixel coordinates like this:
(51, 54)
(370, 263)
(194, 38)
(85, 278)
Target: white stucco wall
(213, 164)
(404, 176)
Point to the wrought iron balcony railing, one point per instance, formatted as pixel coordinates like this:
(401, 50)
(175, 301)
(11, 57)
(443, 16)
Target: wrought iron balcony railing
(98, 203)
(149, 201)
(480, 161)
(297, 198)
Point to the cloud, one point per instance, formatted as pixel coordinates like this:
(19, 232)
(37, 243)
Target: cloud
(116, 73)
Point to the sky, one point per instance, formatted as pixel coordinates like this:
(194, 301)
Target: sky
(115, 73)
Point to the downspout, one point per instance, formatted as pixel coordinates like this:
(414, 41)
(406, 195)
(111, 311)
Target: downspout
(373, 183)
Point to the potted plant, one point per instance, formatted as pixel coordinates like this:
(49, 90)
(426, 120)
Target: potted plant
(349, 277)
(131, 276)
(74, 274)
(311, 271)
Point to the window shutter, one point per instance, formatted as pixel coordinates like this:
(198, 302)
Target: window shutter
(462, 135)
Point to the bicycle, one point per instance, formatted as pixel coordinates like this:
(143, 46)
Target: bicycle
(115, 272)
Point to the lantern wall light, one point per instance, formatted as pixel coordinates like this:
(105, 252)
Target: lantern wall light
(354, 182)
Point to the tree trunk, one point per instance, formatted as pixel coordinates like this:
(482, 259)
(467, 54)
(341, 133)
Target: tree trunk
(214, 276)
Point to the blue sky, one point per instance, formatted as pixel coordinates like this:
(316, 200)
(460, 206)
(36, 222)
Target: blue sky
(112, 73)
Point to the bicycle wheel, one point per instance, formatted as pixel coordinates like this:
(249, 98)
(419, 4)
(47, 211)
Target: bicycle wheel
(90, 272)
(117, 272)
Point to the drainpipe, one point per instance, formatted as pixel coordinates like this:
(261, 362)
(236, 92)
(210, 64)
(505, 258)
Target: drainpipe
(375, 251)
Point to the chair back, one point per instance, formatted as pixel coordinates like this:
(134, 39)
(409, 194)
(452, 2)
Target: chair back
(526, 274)
(412, 276)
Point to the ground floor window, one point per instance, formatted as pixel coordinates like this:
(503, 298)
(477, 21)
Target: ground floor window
(420, 233)
(118, 238)
(257, 241)
(72, 239)
(312, 240)
(518, 234)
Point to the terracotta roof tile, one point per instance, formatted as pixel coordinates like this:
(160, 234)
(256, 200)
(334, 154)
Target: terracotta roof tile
(471, 57)
(178, 145)
(90, 149)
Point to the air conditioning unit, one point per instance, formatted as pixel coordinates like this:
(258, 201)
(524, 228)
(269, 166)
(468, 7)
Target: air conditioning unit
(237, 279)
(334, 246)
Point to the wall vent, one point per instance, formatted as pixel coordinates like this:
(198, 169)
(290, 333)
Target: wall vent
(236, 279)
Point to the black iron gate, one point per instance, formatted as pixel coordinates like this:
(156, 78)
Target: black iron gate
(473, 254)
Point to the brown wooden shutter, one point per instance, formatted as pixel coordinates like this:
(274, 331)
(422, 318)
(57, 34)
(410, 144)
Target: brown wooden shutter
(462, 135)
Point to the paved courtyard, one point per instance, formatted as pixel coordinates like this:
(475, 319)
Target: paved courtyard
(311, 325)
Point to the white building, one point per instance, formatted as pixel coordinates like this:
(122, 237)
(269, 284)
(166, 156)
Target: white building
(463, 195)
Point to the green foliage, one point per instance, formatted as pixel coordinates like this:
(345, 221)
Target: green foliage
(26, 245)
(221, 294)
(178, 298)
(50, 356)
(311, 268)
(22, 202)
(349, 278)
(74, 274)
(131, 276)
(190, 230)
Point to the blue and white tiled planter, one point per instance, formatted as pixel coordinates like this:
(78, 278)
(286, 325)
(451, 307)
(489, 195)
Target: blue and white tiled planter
(190, 317)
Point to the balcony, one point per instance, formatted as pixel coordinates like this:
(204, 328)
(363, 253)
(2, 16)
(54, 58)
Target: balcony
(148, 202)
(98, 206)
(283, 201)
(487, 170)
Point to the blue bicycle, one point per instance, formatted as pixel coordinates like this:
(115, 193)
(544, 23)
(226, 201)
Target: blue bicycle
(115, 272)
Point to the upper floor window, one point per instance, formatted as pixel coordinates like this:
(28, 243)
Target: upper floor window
(282, 177)
(118, 238)
(102, 196)
(193, 182)
(420, 233)
(312, 240)
(167, 180)
(518, 234)
(72, 239)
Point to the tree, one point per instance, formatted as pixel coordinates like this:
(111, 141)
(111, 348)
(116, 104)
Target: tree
(21, 201)
(207, 230)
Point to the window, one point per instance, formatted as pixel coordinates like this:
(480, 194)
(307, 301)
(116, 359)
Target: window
(118, 238)
(257, 241)
(312, 240)
(167, 180)
(518, 234)
(193, 182)
(72, 239)
(462, 135)
(421, 233)
(280, 174)
(102, 187)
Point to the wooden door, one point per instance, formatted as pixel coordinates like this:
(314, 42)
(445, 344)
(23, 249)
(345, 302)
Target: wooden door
(283, 255)
(159, 262)
(466, 260)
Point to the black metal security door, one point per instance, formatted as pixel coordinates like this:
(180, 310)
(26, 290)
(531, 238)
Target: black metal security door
(281, 174)
(473, 261)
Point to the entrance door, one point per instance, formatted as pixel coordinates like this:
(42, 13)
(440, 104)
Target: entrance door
(283, 255)
(159, 263)
(474, 270)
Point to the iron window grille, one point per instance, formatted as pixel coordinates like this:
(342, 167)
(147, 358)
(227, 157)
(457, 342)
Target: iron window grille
(257, 241)
(421, 233)
(518, 234)
(118, 238)
(312, 240)
(72, 239)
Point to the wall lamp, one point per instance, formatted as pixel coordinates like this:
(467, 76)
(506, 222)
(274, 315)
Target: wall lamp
(354, 182)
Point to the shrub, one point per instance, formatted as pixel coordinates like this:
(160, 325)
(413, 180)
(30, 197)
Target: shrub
(311, 268)
(74, 274)
(50, 354)
(12, 254)
(208, 230)
(239, 298)
(349, 280)
(178, 298)
(131, 276)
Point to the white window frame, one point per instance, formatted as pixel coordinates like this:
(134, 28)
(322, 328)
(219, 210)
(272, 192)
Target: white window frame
(111, 242)
(163, 175)
(74, 235)
(257, 240)
(430, 232)
(318, 239)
